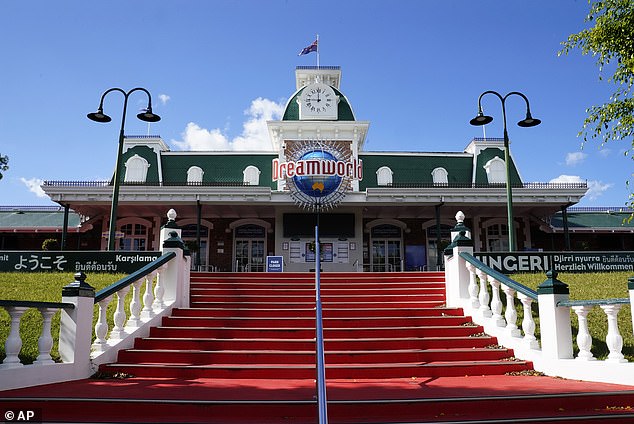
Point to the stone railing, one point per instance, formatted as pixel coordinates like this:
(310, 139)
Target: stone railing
(156, 288)
(479, 290)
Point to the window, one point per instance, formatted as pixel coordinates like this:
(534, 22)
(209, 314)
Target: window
(134, 237)
(251, 175)
(440, 176)
(195, 175)
(136, 169)
(496, 171)
(384, 176)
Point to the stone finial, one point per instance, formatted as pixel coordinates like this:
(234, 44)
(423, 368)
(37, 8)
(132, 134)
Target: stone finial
(171, 219)
(79, 287)
(552, 285)
(460, 217)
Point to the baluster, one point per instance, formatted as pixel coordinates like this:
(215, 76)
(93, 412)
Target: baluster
(148, 297)
(584, 340)
(118, 331)
(483, 297)
(135, 305)
(496, 303)
(473, 287)
(613, 338)
(101, 328)
(13, 344)
(159, 291)
(528, 324)
(45, 342)
(511, 314)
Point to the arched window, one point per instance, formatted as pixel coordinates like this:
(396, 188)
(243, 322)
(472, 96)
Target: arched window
(384, 176)
(251, 175)
(136, 169)
(195, 175)
(496, 171)
(440, 176)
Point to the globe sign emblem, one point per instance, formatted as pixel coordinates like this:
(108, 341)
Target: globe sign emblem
(317, 185)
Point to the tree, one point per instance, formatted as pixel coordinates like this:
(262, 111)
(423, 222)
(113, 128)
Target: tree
(611, 41)
(4, 164)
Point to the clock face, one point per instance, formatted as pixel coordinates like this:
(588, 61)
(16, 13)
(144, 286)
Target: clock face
(318, 101)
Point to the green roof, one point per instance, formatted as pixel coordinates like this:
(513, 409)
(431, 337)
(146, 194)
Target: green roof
(36, 217)
(412, 168)
(485, 156)
(344, 110)
(607, 219)
(218, 168)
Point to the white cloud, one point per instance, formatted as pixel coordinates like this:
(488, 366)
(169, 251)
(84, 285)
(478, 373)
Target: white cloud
(34, 186)
(575, 158)
(254, 134)
(164, 98)
(595, 188)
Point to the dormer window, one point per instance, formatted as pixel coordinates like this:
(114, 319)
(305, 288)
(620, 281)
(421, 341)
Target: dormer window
(136, 169)
(251, 175)
(384, 176)
(440, 176)
(195, 175)
(496, 171)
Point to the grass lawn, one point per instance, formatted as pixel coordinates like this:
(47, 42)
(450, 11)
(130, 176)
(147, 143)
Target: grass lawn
(589, 287)
(42, 287)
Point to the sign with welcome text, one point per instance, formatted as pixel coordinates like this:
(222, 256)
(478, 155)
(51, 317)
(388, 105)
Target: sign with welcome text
(318, 172)
(573, 262)
(75, 261)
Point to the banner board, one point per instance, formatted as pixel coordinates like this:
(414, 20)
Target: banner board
(574, 262)
(75, 261)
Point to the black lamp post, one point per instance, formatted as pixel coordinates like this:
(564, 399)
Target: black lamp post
(99, 116)
(529, 121)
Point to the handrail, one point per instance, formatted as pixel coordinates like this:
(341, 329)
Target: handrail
(595, 302)
(126, 281)
(319, 337)
(499, 276)
(35, 304)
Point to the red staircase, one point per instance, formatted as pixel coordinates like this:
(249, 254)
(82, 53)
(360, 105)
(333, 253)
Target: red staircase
(245, 352)
(258, 327)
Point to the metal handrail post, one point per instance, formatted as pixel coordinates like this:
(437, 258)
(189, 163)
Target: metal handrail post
(321, 361)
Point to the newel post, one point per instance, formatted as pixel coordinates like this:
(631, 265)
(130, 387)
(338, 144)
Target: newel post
(456, 273)
(630, 289)
(554, 321)
(175, 274)
(75, 332)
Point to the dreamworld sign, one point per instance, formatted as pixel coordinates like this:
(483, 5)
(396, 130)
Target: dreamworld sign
(318, 173)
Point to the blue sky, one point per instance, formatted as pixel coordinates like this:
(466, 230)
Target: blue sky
(217, 70)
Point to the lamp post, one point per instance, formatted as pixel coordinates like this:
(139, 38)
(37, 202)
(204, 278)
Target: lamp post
(99, 116)
(528, 121)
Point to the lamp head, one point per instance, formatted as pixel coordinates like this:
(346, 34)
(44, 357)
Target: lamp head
(529, 121)
(148, 116)
(99, 116)
(481, 119)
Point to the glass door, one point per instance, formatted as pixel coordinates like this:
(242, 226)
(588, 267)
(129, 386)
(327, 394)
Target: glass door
(249, 255)
(386, 255)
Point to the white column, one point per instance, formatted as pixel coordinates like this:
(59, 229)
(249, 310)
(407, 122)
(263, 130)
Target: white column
(45, 342)
(511, 314)
(613, 338)
(584, 340)
(13, 344)
(496, 303)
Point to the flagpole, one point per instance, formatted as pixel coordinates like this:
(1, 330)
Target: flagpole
(317, 51)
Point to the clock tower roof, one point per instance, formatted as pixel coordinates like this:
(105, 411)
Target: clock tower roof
(306, 75)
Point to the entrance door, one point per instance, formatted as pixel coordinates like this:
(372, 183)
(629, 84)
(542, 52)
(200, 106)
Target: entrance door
(249, 255)
(386, 255)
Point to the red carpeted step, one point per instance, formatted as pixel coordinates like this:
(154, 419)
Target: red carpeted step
(310, 312)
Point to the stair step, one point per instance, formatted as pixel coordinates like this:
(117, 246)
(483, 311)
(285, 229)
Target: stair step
(329, 323)
(306, 344)
(217, 303)
(303, 371)
(310, 312)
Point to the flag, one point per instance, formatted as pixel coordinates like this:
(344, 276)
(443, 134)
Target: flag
(309, 49)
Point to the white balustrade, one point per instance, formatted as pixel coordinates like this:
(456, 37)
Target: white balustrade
(159, 292)
(584, 339)
(483, 296)
(135, 306)
(472, 288)
(101, 327)
(510, 314)
(528, 323)
(613, 338)
(148, 297)
(13, 344)
(119, 318)
(496, 303)
(45, 342)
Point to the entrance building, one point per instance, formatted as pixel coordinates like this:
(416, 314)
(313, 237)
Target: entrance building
(390, 211)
